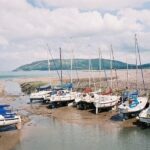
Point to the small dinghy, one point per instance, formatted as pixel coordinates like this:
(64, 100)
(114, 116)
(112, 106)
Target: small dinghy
(7, 117)
(133, 105)
(144, 116)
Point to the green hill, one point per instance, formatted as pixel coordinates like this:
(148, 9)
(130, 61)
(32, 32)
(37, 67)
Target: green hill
(146, 66)
(79, 64)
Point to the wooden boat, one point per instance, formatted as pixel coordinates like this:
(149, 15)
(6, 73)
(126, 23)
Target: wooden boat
(7, 117)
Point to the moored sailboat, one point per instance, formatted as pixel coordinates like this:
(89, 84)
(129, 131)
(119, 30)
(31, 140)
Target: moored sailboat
(7, 117)
(144, 116)
(134, 104)
(106, 99)
(65, 95)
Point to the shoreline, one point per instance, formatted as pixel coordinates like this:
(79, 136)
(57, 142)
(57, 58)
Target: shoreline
(107, 120)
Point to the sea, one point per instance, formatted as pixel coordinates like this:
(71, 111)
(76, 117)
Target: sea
(54, 74)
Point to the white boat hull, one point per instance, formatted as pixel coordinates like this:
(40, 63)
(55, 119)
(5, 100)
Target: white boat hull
(63, 98)
(144, 116)
(39, 95)
(85, 98)
(10, 121)
(106, 101)
(126, 109)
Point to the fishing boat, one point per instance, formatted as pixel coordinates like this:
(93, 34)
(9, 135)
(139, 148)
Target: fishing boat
(144, 116)
(7, 117)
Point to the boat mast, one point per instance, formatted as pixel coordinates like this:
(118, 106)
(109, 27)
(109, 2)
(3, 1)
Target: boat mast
(113, 58)
(127, 73)
(89, 72)
(75, 63)
(100, 66)
(136, 62)
(53, 61)
(93, 76)
(111, 69)
(103, 66)
(49, 64)
(71, 65)
(61, 78)
(138, 51)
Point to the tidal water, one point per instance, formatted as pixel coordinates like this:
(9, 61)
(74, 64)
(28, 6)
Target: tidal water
(47, 133)
(26, 74)
(53, 74)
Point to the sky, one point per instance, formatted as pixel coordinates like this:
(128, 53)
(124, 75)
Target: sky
(79, 27)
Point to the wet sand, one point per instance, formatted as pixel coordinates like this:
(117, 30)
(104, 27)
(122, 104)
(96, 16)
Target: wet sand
(1, 89)
(9, 136)
(9, 139)
(84, 117)
(108, 120)
(80, 84)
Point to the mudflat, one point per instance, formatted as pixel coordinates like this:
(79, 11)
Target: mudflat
(109, 120)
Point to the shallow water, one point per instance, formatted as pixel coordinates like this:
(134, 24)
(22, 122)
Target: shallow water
(12, 88)
(52, 73)
(48, 133)
(44, 133)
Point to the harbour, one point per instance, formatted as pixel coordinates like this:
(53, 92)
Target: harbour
(74, 74)
(77, 128)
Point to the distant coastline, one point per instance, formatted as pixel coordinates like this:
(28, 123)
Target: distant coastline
(78, 64)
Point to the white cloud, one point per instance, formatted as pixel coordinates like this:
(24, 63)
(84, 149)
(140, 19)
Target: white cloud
(3, 41)
(30, 22)
(25, 30)
(92, 4)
